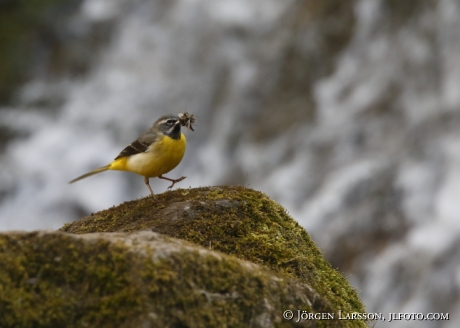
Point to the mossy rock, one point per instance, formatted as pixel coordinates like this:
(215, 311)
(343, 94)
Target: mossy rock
(235, 221)
(141, 279)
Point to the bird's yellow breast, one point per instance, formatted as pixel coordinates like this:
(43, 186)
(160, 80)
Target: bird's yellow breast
(161, 157)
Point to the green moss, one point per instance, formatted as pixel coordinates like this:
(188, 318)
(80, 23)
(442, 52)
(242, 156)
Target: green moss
(58, 280)
(236, 221)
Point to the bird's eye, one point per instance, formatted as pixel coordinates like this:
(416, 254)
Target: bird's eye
(169, 122)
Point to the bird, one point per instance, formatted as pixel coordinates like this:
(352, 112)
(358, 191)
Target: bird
(156, 152)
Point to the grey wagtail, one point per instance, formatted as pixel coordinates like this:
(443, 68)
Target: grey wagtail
(156, 152)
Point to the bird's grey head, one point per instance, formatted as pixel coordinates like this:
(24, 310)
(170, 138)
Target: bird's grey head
(169, 125)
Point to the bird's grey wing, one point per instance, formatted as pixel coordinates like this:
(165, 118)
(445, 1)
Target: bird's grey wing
(141, 145)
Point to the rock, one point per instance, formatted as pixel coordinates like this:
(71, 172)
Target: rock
(240, 222)
(140, 279)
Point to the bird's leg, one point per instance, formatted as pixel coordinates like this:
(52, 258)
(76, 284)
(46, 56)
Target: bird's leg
(146, 180)
(172, 180)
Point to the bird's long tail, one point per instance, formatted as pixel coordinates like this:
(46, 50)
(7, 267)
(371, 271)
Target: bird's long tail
(96, 171)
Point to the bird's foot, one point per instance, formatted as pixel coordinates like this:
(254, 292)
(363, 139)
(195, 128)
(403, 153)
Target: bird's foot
(174, 181)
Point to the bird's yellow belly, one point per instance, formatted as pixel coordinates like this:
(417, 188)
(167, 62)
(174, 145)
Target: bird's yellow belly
(161, 158)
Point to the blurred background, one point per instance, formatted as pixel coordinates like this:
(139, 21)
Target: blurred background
(346, 112)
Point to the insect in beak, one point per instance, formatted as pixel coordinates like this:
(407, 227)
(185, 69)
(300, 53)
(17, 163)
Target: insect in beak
(187, 120)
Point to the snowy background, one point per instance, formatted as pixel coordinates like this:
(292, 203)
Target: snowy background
(345, 112)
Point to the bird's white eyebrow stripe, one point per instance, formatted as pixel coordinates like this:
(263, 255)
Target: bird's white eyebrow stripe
(166, 120)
